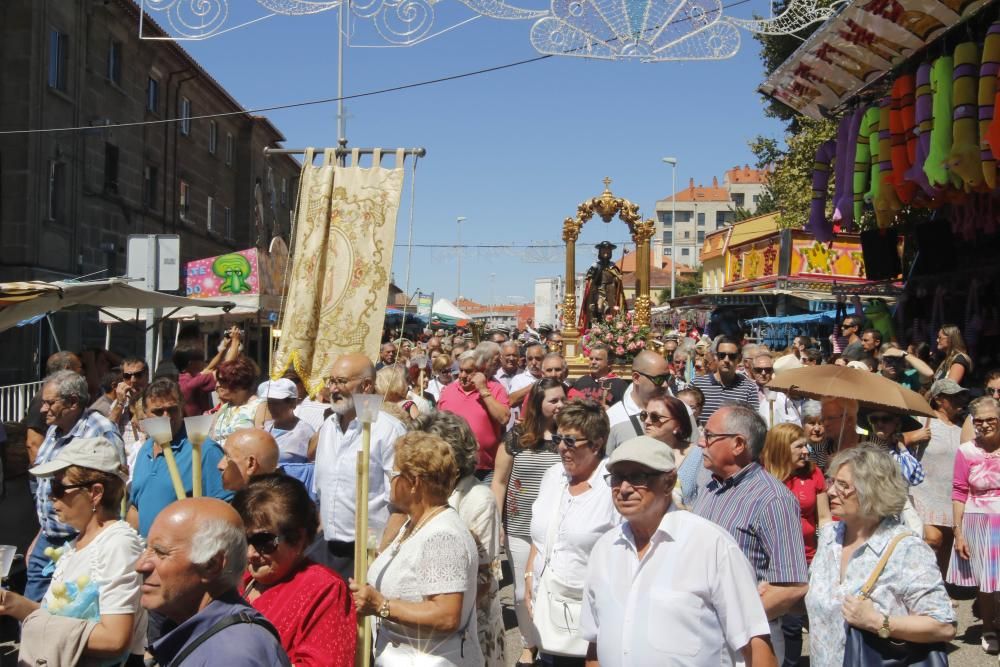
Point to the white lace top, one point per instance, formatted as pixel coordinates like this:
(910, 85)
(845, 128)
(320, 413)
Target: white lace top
(439, 558)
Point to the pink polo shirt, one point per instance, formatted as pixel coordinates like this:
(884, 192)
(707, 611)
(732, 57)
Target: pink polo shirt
(470, 407)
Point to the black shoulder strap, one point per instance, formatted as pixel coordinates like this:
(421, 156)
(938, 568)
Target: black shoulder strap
(242, 617)
(636, 424)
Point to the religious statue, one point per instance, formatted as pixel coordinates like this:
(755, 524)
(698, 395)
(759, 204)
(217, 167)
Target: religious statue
(602, 293)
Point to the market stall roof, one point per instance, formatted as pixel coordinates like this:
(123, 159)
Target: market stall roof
(24, 300)
(240, 306)
(447, 309)
(807, 318)
(856, 47)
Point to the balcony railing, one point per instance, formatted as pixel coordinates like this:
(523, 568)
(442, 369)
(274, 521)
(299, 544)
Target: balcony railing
(15, 398)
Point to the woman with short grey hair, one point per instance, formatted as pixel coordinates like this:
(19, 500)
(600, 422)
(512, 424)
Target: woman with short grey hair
(908, 603)
(476, 506)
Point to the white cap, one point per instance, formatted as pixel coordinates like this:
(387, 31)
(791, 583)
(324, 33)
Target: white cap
(94, 453)
(277, 389)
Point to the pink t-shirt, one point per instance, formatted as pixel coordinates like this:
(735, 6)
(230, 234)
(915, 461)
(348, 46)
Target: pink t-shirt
(470, 407)
(805, 489)
(197, 390)
(976, 481)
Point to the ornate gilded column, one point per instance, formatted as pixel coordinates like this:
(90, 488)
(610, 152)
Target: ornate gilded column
(641, 234)
(571, 337)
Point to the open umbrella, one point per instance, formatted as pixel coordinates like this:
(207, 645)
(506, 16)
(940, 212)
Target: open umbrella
(870, 390)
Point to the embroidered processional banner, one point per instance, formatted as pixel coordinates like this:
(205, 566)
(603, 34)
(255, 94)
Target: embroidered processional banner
(341, 262)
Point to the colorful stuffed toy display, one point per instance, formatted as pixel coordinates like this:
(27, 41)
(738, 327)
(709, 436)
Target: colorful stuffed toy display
(818, 225)
(863, 160)
(988, 70)
(941, 86)
(887, 204)
(901, 125)
(925, 123)
(843, 196)
(963, 161)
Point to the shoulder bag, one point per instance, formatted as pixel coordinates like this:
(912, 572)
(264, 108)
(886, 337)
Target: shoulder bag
(556, 606)
(867, 649)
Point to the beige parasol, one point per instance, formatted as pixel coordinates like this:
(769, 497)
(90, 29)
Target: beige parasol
(870, 390)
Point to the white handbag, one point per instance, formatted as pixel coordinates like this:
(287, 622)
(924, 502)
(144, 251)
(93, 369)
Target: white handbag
(556, 606)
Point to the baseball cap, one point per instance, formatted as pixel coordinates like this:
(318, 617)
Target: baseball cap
(277, 389)
(645, 450)
(945, 386)
(94, 453)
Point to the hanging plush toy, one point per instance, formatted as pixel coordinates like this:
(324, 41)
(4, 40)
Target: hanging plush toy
(988, 70)
(847, 139)
(901, 125)
(863, 160)
(874, 181)
(818, 225)
(925, 123)
(941, 76)
(963, 161)
(886, 202)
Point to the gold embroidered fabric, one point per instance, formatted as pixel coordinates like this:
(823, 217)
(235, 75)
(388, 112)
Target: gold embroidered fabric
(341, 262)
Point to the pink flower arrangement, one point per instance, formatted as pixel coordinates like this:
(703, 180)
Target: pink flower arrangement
(623, 337)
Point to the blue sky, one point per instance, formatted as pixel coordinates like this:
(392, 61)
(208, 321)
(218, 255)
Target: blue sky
(513, 151)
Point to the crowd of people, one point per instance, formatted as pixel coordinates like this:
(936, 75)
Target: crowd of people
(680, 512)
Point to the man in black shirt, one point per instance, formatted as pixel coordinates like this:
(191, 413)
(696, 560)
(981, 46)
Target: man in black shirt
(601, 385)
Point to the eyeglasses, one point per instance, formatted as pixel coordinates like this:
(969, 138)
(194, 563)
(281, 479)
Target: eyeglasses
(164, 409)
(846, 325)
(995, 391)
(57, 489)
(992, 422)
(136, 374)
(638, 480)
(712, 438)
(264, 543)
(880, 419)
(341, 382)
(658, 380)
(654, 418)
(51, 403)
(394, 474)
(728, 355)
(843, 488)
(570, 441)
(763, 371)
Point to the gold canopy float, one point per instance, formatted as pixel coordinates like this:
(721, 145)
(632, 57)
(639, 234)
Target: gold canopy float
(606, 206)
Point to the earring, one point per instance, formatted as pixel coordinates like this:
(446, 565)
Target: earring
(93, 509)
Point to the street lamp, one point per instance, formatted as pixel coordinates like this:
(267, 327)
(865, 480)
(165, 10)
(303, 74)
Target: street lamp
(672, 161)
(458, 292)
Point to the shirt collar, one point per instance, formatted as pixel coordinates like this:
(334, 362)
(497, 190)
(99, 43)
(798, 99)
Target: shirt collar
(170, 644)
(881, 537)
(663, 531)
(733, 480)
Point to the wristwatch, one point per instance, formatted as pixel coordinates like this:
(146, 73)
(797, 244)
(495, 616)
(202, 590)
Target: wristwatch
(383, 610)
(883, 632)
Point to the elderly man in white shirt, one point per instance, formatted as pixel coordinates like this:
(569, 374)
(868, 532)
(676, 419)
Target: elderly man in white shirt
(337, 444)
(667, 588)
(774, 406)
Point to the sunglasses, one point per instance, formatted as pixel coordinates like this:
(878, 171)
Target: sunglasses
(845, 325)
(163, 410)
(654, 418)
(728, 355)
(264, 543)
(995, 391)
(136, 375)
(763, 371)
(570, 441)
(658, 380)
(638, 480)
(57, 489)
(880, 419)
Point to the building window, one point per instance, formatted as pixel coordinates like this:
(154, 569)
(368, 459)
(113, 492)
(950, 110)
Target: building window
(57, 190)
(210, 215)
(701, 237)
(228, 220)
(110, 168)
(149, 186)
(58, 59)
(685, 252)
(756, 200)
(213, 136)
(701, 219)
(723, 218)
(115, 62)
(666, 251)
(185, 114)
(687, 235)
(738, 198)
(230, 148)
(684, 216)
(668, 237)
(153, 95)
(185, 200)
(284, 192)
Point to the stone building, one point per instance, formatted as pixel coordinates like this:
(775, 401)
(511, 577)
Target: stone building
(69, 198)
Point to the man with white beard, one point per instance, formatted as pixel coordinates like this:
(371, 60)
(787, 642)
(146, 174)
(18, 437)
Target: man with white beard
(337, 444)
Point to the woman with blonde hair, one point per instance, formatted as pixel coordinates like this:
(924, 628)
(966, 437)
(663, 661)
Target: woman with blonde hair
(422, 588)
(956, 364)
(390, 383)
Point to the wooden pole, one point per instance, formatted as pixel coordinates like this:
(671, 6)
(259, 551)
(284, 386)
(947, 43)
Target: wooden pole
(362, 656)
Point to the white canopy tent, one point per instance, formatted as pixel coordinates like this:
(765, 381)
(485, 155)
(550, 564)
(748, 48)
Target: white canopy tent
(448, 309)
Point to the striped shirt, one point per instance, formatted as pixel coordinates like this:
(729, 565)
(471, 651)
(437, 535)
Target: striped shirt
(92, 424)
(743, 390)
(527, 470)
(763, 516)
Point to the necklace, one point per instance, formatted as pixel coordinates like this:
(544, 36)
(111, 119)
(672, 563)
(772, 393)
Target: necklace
(420, 524)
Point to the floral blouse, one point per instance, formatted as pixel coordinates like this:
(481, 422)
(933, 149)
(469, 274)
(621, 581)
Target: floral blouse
(910, 584)
(233, 418)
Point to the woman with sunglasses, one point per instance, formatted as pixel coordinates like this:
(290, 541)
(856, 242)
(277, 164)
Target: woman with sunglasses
(527, 452)
(443, 375)
(573, 509)
(666, 418)
(422, 587)
(308, 604)
(976, 505)
(94, 578)
(236, 385)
